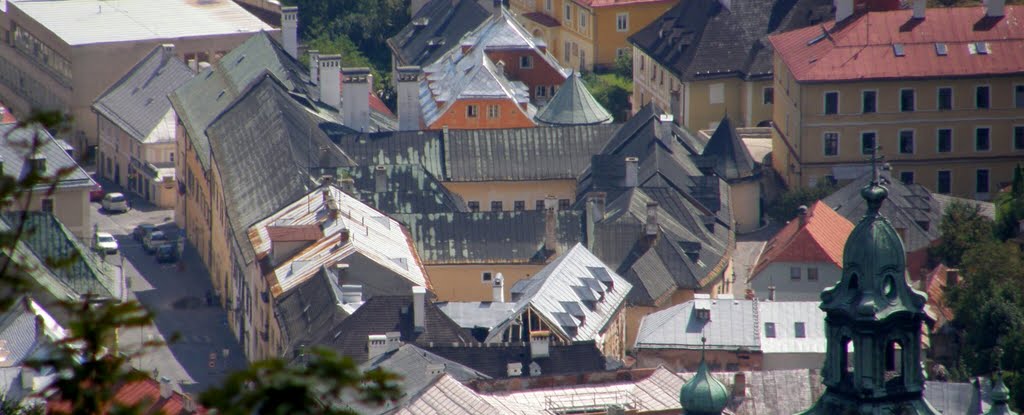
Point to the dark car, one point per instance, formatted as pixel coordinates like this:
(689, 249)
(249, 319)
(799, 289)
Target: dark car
(154, 240)
(166, 253)
(142, 231)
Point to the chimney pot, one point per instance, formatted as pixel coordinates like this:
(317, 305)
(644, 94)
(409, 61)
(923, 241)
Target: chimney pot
(409, 113)
(498, 290)
(632, 171)
(166, 388)
(356, 98)
(380, 177)
(419, 298)
(330, 80)
(314, 66)
(289, 30)
(377, 345)
(771, 293)
(801, 214)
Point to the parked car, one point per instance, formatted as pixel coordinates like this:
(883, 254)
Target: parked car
(115, 202)
(143, 230)
(105, 243)
(166, 253)
(96, 193)
(155, 240)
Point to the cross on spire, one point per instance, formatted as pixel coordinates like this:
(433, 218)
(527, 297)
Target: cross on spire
(875, 158)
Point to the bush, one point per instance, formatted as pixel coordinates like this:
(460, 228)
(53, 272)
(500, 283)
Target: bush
(784, 208)
(612, 92)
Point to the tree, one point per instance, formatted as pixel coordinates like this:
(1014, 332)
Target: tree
(611, 91)
(784, 207)
(962, 227)
(1010, 207)
(367, 23)
(624, 65)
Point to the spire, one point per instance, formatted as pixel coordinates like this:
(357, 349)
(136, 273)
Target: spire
(703, 394)
(573, 105)
(1000, 395)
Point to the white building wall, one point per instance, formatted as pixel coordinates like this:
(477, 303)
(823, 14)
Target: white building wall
(788, 289)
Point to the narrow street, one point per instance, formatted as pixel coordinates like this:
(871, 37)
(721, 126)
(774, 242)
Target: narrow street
(201, 347)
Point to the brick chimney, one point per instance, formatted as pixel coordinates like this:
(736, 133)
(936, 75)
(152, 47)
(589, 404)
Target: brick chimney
(330, 80)
(290, 30)
(356, 98)
(314, 66)
(409, 114)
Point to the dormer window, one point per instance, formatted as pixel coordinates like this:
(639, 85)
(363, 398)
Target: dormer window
(704, 314)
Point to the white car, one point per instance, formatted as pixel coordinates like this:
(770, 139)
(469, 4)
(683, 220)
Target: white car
(105, 243)
(115, 202)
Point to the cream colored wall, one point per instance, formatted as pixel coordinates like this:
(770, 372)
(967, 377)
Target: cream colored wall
(785, 117)
(745, 200)
(465, 282)
(70, 206)
(195, 206)
(509, 192)
(652, 82)
(608, 38)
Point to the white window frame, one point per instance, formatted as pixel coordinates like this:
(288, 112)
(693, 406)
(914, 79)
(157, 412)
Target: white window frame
(567, 15)
(952, 97)
(913, 141)
(472, 111)
(938, 141)
(549, 5)
(622, 22)
(541, 91)
(716, 90)
(978, 127)
(824, 143)
(528, 60)
(824, 102)
(493, 111)
(913, 104)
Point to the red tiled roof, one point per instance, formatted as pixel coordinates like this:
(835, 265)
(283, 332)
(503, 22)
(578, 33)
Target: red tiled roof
(542, 19)
(5, 115)
(295, 233)
(820, 240)
(935, 286)
(861, 47)
(145, 392)
(611, 3)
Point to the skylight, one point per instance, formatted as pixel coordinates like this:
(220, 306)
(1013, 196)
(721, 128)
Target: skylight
(982, 48)
(897, 49)
(816, 39)
(941, 49)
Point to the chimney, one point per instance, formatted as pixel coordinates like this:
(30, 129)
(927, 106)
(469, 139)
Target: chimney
(356, 98)
(651, 227)
(380, 179)
(392, 341)
(377, 345)
(952, 277)
(189, 405)
(500, 67)
(314, 66)
(193, 65)
(540, 344)
(344, 235)
(632, 170)
(351, 293)
(496, 7)
(40, 328)
(419, 298)
(596, 201)
(435, 369)
(348, 185)
(498, 290)
(535, 369)
(289, 30)
(739, 385)
(919, 7)
(550, 224)
(168, 53)
(771, 293)
(514, 369)
(409, 114)
(844, 9)
(664, 127)
(166, 389)
(330, 80)
(995, 8)
(801, 215)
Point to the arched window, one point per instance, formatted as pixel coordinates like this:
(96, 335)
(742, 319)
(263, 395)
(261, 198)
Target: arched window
(846, 358)
(893, 359)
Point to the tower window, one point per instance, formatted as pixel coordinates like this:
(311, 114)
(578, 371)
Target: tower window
(799, 330)
(769, 330)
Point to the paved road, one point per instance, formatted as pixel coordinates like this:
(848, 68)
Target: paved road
(179, 300)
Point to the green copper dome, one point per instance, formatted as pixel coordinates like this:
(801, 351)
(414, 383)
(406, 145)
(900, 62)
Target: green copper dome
(1000, 395)
(703, 394)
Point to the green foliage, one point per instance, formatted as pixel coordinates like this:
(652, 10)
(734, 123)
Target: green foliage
(962, 227)
(320, 386)
(351, 56)
(1010, 207)
(612, 92)
(367, 23)
(784, 208)
(624, 65)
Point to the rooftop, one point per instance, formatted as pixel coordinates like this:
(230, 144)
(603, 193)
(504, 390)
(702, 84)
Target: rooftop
(19, 141)
(894, 45)
(82, 22)
(821, 239)
(573, 105)
(435, 29)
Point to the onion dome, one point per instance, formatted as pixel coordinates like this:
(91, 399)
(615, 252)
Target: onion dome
(703, 394)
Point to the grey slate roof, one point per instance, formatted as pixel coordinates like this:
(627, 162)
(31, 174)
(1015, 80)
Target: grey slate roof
(493, 360)
(138, 102)
(425, 148)
(478, 314)
(703, 39)
(268, 149)
(726, 154)
(419, 370)
(409, 189)
(573, 105)
(305, 311)
(436, 28)
(19, 336)
(911, 208)
(489, 237)
(390, 313)
(16, 149)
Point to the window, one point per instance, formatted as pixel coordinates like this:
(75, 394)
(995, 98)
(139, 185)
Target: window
(493, 111)
(485, 276)
(583, 21)
(945, 98)
(831, 102)
(1018, 96)
(622, 22)
(171, 155)
(769, 330)
(548, 5)
(768, 95)
(519, 205)
(716, 93)
(540, 205)
(568, 49)
(563, 204)
(472, 111)
(981, 181)
(869, 102)
(812, 274)
(831, 144)
(473, 205)
(526, 62)
(496, 206)
(541, 90)
(568, 12)
(620, 52)
(46, 205)
(981, 97)
(794, 273)
(907, 177)
(943, 182)
(799, 330)
(867, 142)
(906, 100)
(945, 140)
(906, 141)
(1018, 137)
(551, 90)
(981, 139)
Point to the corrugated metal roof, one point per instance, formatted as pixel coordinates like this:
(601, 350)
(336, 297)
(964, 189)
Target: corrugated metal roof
(785, 315)
(436, 28)
(485, 314)
(19, 141)
(732, 326)
(81, 22)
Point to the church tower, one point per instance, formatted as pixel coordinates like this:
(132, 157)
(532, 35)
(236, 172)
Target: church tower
(873, 325)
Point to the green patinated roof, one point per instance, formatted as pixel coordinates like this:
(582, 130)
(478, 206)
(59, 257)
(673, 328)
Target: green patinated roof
(1000, 395)
(573, 105)
(703, 394)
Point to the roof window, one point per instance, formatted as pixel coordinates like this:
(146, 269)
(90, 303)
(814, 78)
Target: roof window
(981, 48)
(941, 49)
(897, 49)
(817, 38)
